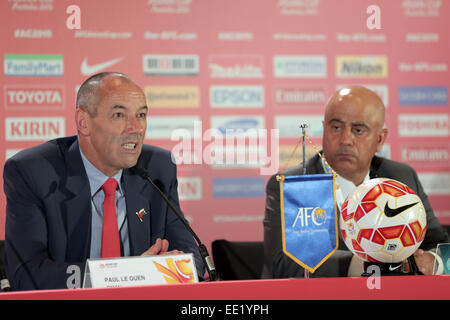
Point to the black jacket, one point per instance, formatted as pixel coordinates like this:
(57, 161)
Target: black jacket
(278, 265)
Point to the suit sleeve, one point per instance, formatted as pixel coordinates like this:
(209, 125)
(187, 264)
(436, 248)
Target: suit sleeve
(435, 233)
(27, 261)
(276, 263)
(406, 174)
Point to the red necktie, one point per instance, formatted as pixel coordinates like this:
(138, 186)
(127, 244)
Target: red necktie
(110, 233)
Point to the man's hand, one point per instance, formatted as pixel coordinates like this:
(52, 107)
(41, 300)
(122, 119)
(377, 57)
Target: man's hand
(424, 261)
(160, 247)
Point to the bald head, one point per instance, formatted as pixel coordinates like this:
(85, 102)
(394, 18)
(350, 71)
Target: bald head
(353, 131)
(93, 89)
(360, 98)
(111, 119)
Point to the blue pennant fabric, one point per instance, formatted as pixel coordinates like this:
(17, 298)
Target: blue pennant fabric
(309, 218)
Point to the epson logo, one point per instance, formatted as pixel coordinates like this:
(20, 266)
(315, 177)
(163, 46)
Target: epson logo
(34, 97)
(236, 96)
(33, 129)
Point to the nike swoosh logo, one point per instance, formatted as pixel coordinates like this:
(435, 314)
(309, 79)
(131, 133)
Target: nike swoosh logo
(87, 69)
(394, 268)
(393, 212)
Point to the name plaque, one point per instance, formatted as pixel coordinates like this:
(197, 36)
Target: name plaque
(138, 271)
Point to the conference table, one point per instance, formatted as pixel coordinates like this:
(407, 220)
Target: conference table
(352, 288)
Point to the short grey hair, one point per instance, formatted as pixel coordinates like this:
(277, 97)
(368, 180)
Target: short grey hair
(87, 98)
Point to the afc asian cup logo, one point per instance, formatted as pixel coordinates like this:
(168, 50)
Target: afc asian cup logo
(310, 216)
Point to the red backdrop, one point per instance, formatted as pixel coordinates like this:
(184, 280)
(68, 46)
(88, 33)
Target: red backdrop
(247, 64)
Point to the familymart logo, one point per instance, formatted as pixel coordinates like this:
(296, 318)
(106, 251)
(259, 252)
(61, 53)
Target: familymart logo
(50, 65)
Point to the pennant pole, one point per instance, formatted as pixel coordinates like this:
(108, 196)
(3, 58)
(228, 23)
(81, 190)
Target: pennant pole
(303, 126)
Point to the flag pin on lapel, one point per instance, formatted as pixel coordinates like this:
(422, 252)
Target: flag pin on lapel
(141, 213)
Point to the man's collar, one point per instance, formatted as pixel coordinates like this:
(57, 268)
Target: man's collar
(341, 179)
(96, 177)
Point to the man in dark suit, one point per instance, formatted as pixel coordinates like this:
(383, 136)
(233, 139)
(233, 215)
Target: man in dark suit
(54, 215)
(353, 132)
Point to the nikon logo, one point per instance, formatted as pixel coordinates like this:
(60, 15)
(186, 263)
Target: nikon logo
(361, 67)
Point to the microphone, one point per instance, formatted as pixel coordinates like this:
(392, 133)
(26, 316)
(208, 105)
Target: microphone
(201, 247)
(4, 282)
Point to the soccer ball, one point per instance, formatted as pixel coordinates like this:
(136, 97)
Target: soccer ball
(383, 220)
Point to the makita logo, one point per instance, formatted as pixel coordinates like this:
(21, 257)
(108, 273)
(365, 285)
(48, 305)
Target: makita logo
(236, 66)
(34, 97)
(32, 129)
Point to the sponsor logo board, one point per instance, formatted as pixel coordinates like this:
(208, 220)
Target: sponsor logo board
(190, 188)
(300, 66)
(34, 129)
(172, 96)
(241, 187)
(171, 65)
(237, 96)
(423, 96)
(288, 125)
(31, 97)
(299, 96)
(370, 66)
(51, 65)
(162, 127)
(423, 125)
(236, 66)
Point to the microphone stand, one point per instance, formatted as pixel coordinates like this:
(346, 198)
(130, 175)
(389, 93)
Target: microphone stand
(303, 126)
(201, 247)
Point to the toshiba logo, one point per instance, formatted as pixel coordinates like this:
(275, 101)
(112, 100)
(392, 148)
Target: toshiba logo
(34, 129)
(34, 97)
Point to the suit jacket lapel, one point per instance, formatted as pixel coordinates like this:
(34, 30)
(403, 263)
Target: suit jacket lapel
(374, 167)
(314, 165)
(76, 208)
(136, 198)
